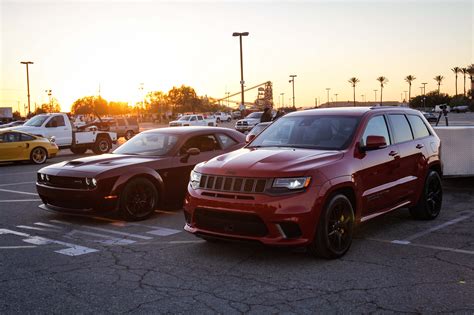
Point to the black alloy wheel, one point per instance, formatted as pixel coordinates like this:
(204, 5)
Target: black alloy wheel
(429, 205)
(333, 236)
(138, 199)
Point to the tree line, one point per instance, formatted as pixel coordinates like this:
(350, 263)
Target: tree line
(177, 100)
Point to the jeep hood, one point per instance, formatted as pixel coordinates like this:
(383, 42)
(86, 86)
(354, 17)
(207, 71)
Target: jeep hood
(268, 162)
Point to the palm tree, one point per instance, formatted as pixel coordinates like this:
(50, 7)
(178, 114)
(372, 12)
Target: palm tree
(439, 79)
(409, 79)
(353, 81)
(456, 70)
(383, 80)
(470, 70)
(464, 72)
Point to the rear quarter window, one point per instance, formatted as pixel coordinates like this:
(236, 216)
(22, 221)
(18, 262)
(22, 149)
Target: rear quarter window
(400, 127)
(418, 126)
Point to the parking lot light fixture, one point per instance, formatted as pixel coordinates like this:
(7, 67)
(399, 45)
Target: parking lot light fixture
(28, 82)
(292, 81)
(242, 82)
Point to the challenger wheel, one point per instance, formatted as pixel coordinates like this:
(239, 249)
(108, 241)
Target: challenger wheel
(333, 236)
(102, 145)
(138, 199)
(38, 155)
(429, 205)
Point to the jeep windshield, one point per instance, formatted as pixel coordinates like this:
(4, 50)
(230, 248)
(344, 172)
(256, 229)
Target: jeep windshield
(319, 132)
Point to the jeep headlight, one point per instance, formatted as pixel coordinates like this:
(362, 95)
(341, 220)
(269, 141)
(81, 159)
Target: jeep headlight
(292, 183)
(195, 179)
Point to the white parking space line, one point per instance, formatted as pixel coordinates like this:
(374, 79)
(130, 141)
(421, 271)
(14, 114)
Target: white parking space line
(448, 249)
(13, 184)
(26, 227)
(109, 240)
(47, 225)
(408, 240)
(19, 192)
(19, 200)
(107, 230)
(163, 231)
(17, 247)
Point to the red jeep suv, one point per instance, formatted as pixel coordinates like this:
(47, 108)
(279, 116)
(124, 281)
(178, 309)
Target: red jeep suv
(309, 177)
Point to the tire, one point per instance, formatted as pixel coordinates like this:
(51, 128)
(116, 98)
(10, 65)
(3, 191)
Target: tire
(102, 145)
(129, 134)
(218, 120)
(78, 150)
(333, 236)
(429, 205)
(228, 119)
(138, 199)
(38, 155)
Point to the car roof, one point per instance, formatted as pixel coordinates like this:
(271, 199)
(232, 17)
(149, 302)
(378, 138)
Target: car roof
(2, 131)
(349, 111)
(189, 129)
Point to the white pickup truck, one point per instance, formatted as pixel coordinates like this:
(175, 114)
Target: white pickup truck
(221, 116)
(193, 120)
(59, 126)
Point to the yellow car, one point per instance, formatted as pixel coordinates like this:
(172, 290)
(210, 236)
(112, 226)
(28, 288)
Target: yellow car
(20, 146)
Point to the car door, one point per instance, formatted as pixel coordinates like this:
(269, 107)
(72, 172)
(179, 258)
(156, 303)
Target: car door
(408, 153)
(10, 146)
(56, 126)
(379, 168)
(178, 175)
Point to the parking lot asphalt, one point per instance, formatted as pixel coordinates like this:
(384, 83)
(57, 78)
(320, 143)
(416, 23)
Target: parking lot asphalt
(51, 263)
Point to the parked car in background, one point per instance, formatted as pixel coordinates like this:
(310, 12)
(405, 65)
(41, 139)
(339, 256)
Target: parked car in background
(460, 109)
(236, 114)
(125, 127)
(59, 126)
(311, 176)
(439, 108)
(221, 116)
(150, 170)
(246, 124)
(13, 124)
(432, 118)
(256, 130)
(21, 146)
(193, 120)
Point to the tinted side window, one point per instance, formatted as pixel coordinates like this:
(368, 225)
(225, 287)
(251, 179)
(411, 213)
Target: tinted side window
(200, 118)
(376, 127)
(26, 137)
(11, 137)
(418, 126)
(226, 141)
(121, 122)
(59, 121)
(401, 128)
(204, 143)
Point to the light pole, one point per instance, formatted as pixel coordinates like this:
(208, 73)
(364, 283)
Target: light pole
(282, 99)
(406, 96)
(375, 99)
(241, 66)
(28, 82)
(328, 89)
(336, 97)
(292, 81)
(50, 92)
(424, 87)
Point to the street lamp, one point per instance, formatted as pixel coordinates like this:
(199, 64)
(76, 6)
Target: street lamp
(28, 82)
(282, 99)
(292, 81)
(336, 97)
(375, 99)
(50, 92)
(424, 87)
(328, 89)
(241, 65)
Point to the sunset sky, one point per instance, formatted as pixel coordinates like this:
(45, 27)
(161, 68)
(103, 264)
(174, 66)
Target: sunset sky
(78, 45)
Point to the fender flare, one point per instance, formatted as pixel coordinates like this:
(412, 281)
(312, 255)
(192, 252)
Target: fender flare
(134, 172)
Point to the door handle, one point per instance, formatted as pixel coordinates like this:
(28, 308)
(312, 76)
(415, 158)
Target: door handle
(419, 146)
(393, 153)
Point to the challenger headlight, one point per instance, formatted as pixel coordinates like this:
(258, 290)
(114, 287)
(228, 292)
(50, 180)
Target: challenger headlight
(195, 179)
(292, 183)
(91, 182)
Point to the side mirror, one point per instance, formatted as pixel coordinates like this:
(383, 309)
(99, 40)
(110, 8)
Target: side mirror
(189, 152)
(250, 137)
(374, 143)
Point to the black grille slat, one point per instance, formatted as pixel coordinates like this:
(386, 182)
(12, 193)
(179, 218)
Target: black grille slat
(66, 182)
(233, 184)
